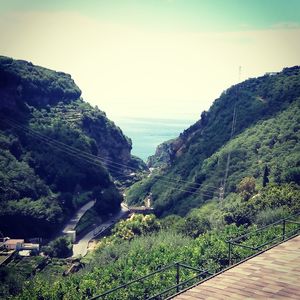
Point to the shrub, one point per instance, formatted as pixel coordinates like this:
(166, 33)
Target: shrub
(60, 247)
(270, 215)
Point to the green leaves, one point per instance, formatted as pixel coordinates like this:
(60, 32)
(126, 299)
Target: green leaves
(60, 247)
(36, 85)
(246, 188)
(135, 226)
(266, 133)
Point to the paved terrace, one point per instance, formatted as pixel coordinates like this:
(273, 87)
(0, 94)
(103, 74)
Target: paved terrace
(274, 274)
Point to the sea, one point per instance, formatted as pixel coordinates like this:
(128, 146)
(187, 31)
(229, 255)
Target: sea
(147, 133)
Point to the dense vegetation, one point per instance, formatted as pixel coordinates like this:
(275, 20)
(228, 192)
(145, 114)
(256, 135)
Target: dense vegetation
(143, 244)
(266, 137)
(42, 183)
(56, 151)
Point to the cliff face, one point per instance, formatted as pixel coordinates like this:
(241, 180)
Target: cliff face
(168, 151)
(113, 145)
(57, 151)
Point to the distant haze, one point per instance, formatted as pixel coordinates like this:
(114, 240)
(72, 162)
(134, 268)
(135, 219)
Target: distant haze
(153, 59)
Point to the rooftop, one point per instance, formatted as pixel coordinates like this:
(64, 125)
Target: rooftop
(14, 241)
(271, 274)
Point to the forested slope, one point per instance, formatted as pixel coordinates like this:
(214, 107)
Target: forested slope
(266, 135)
(57, 151)
(261, 188)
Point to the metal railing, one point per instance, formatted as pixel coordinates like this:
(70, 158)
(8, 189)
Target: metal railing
(176, 287)
(280, 226)
(284, 234)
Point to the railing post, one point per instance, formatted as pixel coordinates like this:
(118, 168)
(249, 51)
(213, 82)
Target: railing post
(146, 294)
(177, 277)
(229, 253)
(283, 230)
(88, 292)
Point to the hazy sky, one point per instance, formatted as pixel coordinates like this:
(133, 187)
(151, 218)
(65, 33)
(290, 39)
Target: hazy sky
(154, 58)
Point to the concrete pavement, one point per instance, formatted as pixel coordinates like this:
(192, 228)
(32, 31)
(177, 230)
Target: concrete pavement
(77, 216)
(80, 248)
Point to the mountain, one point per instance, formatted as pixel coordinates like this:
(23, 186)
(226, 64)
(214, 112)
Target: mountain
(252, 127)
(57, 151)
(259, 143)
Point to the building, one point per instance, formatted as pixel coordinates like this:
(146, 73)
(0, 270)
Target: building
(13, 244)
(19, 244)
(31, 247)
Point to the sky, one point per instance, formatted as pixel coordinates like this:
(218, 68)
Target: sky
(154, 58)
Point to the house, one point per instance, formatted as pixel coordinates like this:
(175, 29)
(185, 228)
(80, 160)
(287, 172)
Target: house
(13, 244)
(19, 244)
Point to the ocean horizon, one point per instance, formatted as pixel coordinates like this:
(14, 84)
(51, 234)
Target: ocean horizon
(147, 133)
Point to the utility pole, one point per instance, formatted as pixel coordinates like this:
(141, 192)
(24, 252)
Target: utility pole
(222, 189)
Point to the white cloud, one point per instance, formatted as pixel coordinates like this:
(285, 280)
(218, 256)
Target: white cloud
(127, 71)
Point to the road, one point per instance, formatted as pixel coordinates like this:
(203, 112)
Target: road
(80, 248)
(77, 216)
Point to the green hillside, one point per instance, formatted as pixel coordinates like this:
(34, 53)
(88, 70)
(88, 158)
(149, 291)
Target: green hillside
(194, 224)
(57, 152)
(265, 135)
(144, 244)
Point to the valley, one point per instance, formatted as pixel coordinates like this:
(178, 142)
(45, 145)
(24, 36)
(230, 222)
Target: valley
(68, 177)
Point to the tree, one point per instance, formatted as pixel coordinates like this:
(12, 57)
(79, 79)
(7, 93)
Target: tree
(195, 224)
(138, 224)
(60, 247)
(292, 175)
(107, 200)
(265, 177)
(246, 187)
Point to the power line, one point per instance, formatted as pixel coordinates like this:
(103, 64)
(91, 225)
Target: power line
(111, 165)
(165, 178)
(84, 155)
(105, 161)
(93, 157)
(67, 150)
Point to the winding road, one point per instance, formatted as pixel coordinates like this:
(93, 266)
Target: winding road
(77, 216)
(81, 247)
